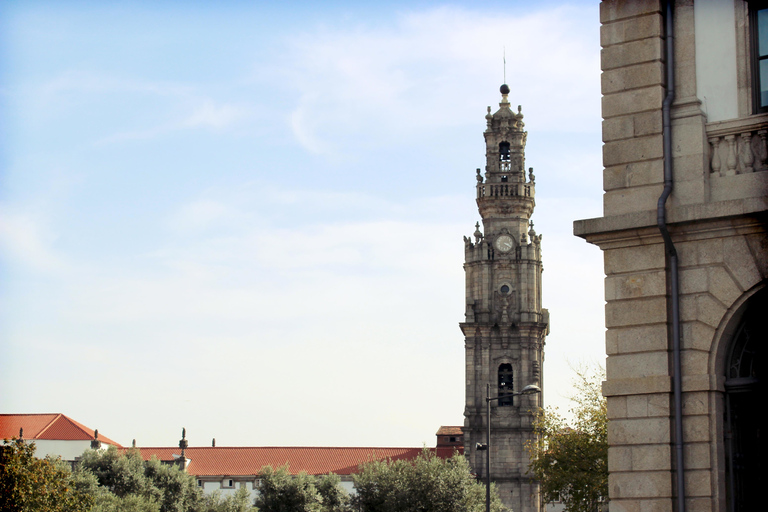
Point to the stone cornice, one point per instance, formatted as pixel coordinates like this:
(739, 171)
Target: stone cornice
(641, 226)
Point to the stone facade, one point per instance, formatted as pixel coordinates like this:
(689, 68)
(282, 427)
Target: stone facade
(504, 325)
(716, 215)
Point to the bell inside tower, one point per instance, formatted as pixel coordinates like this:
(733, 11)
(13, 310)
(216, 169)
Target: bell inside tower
(505, 160)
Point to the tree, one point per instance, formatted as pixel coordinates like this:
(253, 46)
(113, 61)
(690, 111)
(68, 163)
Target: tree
(279, 491)
(570, 459)
(127, 482)
(28, 483)
(426, 484)
(238, 502)
(333, 496)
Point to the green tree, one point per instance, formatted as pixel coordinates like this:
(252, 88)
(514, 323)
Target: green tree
(570, 459)
(279, 491)
(238, 502)
(333, 496)
(427, 484)
(134, 484)
(30, 484)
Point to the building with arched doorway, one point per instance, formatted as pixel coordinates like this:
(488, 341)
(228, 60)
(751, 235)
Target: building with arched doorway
(685, 246)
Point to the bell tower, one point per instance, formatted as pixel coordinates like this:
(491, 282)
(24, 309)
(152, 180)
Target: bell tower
(504, 326)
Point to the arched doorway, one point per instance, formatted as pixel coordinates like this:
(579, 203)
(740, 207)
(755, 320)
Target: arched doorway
(745, 409)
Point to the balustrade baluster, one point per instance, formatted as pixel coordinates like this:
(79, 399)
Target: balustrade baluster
(731, 161)
(746, 152)
(715, 160)
(762, 152)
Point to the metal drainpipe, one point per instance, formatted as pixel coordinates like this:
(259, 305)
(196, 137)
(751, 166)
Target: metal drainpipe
(672, 253)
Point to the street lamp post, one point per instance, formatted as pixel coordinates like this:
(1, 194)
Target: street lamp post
(530, 389)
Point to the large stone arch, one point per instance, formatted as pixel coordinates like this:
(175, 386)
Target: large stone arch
(740, 399)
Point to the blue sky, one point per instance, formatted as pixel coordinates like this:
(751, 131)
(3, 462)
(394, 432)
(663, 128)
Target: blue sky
(246, 218)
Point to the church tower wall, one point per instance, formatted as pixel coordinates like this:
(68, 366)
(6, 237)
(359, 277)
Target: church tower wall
(505, 324)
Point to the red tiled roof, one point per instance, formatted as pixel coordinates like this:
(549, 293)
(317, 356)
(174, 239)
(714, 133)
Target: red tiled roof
(47, 426)
(450, 431)
(210, 461)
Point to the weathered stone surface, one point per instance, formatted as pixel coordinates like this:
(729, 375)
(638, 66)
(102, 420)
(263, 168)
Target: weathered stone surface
(613, 11)
(647, 172)
(633, 259)
(626, 201)
(632, 366)
(641, 27)
(645, 284)
(643, 338)
(640, 484)
(632, 77)
(640, 312)
(633, 101)
(635, 431)
(697, 335)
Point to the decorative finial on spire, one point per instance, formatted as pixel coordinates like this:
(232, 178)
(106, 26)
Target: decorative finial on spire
(531, 177)
(478, 234)
(479, 177)
(505, 63)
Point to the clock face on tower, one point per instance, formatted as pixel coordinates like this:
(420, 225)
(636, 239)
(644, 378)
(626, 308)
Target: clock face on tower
(504, 243)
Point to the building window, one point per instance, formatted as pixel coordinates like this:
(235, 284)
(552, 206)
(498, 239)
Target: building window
(758, 20)
(505, 385)
(199, 483)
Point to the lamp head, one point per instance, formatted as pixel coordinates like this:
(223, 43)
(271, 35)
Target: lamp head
(530, 389)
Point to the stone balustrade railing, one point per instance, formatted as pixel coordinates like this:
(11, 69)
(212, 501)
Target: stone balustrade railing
(738, 146)
(503, 189)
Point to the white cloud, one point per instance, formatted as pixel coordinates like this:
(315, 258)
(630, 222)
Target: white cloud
(210, 115)
(26, 240)
(422, 69)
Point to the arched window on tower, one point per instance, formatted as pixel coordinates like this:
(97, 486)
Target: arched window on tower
(506, 387)
(505, 160)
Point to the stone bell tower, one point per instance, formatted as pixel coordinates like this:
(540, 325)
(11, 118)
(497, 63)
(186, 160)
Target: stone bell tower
(504, 325)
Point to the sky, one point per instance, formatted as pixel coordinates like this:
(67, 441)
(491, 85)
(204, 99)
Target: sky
(246, 218)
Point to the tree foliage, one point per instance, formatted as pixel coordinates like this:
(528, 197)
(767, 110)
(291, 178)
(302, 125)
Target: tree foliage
(427, 484)
(570, 459)
(137, 484)
(28, 483)
(279, 491)
(103, 481)
(238, 502)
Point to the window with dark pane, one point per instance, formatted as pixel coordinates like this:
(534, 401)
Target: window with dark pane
(758, 18)
(505, 384)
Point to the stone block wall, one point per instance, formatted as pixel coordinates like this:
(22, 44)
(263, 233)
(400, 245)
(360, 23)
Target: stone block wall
(719, 231)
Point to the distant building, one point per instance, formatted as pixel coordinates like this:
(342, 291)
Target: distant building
(685, 284)
(504, 325)
(218, 468)
(227, 468)
(56, 435)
